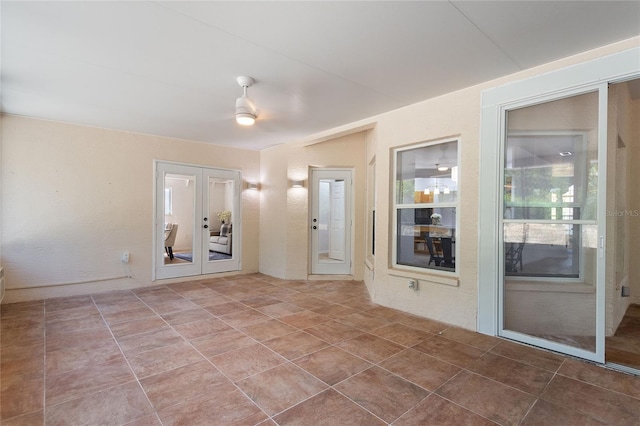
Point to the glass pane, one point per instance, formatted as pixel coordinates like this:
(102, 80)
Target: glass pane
(179, 217)
(427, 238)
(220, 218)
(542, 250)
(552, 174)
(331, 221)
(428, 174)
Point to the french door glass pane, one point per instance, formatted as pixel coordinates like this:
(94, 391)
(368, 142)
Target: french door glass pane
(179, 218)
(220, 218)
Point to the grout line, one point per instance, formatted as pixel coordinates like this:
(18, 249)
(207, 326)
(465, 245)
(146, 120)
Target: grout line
(125, 359)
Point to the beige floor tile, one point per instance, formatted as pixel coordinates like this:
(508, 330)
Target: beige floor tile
(247, 361)
(281, 387)
(600, 376)
(384, 394)
(174, 386)
(420, 368)
(268, 330)
(86, 380)
(245, 318)
(117, 405)
(362, 321)
(449, 351)
(471, 338)
(434, 410)
(372, 348)
(521, 376)
(401, 334)
(155, 339)
(304, 319)
(332, 365)
(163, 359)
(333, 331)
(602, 404)
(21, 394)
(545, 413)
(295, 345)
(497, 402)
(80, 356)
(328, 408)
(224, 341)
(201, 328)
(137, 326)
(224, 405)
(528, 355)
(220, 321)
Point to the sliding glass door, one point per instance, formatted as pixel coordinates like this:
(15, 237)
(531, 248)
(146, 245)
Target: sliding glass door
(551, 239)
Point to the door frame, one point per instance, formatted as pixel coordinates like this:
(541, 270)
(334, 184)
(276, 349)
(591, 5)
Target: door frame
(334, 268)
(200, 247)
(580, 78)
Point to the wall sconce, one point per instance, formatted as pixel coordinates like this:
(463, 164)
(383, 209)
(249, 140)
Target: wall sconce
(253, 186)
(297, 184)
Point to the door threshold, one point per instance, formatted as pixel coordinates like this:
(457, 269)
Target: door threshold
(622, 368)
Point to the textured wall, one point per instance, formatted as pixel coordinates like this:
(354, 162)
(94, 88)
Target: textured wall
(75, 197)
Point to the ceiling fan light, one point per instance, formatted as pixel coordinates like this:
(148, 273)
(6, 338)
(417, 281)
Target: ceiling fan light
(443, 168)
(245, 119)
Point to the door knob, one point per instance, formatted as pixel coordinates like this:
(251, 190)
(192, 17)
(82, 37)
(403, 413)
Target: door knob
(205, 219)
(206, 226)
(315, 227)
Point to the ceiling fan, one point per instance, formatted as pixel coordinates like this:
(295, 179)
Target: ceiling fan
(246, 113)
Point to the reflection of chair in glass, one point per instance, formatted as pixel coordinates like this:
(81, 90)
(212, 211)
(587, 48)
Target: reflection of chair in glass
(449, 261)
(170, 238)
(513, 257)
(434, 256)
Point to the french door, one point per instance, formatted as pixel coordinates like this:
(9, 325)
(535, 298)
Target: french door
(331, 211)
(197, 220)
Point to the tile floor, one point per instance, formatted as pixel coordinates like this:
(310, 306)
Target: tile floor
(624, 347)
(253, 349)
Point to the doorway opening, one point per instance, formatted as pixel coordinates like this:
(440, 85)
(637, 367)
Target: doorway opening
(622, 341)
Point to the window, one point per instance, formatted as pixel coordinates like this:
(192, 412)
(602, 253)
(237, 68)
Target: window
(426, 204)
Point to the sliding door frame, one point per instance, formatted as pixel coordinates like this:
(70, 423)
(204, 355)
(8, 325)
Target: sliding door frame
(580, 78)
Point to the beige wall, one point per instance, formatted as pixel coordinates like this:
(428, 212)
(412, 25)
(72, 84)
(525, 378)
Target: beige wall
(284, 223)
(452, 300)
(619, 223)
(75, 197)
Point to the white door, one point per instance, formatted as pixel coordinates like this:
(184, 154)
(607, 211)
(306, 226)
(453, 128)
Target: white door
(189, 200)
(331, 216)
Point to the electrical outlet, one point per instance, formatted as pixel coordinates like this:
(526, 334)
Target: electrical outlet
(125, 257)
(413, 285)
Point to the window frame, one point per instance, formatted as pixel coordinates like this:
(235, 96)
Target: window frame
(395, 207)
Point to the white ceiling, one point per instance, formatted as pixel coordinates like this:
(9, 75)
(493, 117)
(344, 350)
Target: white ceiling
(170, 68)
